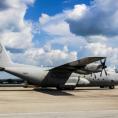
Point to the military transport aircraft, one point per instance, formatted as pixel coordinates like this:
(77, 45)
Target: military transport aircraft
(61, 77)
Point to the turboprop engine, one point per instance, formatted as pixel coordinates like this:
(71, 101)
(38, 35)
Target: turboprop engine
(94, 67)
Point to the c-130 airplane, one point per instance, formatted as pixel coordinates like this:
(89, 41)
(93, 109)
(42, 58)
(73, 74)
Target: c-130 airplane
(66, 76)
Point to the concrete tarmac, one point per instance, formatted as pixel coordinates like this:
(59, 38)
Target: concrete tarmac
(18, 102)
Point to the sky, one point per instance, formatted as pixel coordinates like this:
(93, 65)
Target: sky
(54, 32)
(51, 7)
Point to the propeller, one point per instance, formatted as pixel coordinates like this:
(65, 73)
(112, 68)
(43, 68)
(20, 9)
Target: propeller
(103, 67)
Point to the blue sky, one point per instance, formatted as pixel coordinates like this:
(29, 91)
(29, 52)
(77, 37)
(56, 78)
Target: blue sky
(51, 7)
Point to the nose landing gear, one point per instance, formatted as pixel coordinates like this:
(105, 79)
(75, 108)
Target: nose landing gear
(111, 87)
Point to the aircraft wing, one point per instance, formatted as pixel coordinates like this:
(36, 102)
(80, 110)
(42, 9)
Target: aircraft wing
(77, 65)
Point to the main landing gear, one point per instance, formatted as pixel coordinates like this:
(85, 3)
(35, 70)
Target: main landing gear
(65, 87)
(110, 87)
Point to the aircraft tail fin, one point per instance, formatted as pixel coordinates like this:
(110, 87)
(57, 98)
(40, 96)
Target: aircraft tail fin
(4, 57)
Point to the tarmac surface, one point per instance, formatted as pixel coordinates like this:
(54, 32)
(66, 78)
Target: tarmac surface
(18, 102)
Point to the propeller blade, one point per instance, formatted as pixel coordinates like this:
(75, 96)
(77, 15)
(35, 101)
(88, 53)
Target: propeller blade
(103, 63)
(105, 72)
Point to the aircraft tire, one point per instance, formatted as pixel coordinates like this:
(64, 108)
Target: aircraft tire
(101, 86)
(111, 87)
(65, 88)
(59, 88)
(25, 86)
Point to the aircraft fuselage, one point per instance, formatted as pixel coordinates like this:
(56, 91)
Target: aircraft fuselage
(43, 77)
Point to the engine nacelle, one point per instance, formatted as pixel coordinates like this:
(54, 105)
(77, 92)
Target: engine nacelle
(94, 67)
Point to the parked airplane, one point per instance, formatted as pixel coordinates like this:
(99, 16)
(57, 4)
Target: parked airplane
(61, 77)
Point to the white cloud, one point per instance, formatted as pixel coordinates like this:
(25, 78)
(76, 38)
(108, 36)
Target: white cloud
(28, 2)
(44, 19)
(100, 18)
(54, 25)
(14, 30)
(95, 32)
(95, 27)
(40, 56)
(77, 12)
(96, 38)
(99, 49)
(58, 28)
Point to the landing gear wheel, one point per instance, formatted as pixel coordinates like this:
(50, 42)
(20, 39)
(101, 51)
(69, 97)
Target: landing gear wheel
(25, 84)
(101, 86)
(111, 87)
(59, 88)
(65, 87)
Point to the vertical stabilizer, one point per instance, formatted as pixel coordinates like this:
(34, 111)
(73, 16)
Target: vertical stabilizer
(4, 57)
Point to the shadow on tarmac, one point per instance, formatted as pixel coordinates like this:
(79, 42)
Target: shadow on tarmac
(52, 91)
(55, 92)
